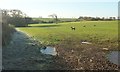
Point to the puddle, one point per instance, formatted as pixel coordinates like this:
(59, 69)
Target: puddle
(48, 50)
(86, 43)
(114, 57)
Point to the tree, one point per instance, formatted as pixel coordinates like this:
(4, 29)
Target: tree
(15, 17)
(81, 18)
(5, 16)
(114, 18)
(103, 18)
(16, 13)
(6, 29)
(54, 16)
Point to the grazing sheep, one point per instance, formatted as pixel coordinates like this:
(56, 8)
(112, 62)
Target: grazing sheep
(84, 26)
(94, 25)
(73, 28)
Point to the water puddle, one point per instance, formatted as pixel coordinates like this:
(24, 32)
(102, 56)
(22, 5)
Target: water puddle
(86, 43)
(114, 57)
(48, 50)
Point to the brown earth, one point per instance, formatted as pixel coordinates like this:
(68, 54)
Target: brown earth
(80, 56)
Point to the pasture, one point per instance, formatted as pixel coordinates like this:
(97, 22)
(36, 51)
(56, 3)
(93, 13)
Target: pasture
(91, 31)
(101, 35)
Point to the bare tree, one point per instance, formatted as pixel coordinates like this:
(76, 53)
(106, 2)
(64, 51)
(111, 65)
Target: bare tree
(54, 16)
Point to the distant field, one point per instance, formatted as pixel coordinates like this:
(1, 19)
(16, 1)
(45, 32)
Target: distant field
(51, 19)
(93, 31)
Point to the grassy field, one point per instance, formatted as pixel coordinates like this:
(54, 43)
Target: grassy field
(70, 50)
(85, 30)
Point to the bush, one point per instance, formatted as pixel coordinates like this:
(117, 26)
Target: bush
(7, 31)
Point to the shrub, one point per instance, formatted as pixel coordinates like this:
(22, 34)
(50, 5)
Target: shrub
(7, 31)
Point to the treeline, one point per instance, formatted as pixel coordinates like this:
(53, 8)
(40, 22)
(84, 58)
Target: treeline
(81, 18)
(10, 19)
(16, 18)
(38, 20)
(96, 18)
(52, 20)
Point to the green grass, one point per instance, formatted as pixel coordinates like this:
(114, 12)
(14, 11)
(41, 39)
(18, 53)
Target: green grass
(56, 33)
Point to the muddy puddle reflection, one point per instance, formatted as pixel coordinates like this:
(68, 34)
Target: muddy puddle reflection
(114, 57)
(48, 50)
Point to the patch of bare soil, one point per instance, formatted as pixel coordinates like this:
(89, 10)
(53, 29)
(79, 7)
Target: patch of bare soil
(78, 56)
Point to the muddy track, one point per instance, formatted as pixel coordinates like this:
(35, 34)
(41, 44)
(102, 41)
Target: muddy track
(23, 53)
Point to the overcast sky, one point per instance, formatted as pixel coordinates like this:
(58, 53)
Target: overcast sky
(63, 8)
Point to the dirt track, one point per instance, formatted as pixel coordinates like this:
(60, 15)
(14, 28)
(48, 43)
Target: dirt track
(22, 54)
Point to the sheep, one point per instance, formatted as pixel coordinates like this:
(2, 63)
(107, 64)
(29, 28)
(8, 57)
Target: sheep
(94, 25)
(73, 28)
(84, 26)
